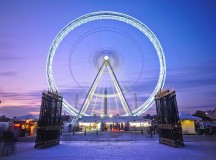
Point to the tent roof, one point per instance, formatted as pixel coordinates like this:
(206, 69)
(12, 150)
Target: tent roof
(184, 116)
(23, 118)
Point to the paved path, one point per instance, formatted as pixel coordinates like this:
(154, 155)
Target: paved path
(150, 150)
(121, 136)
(127, 146)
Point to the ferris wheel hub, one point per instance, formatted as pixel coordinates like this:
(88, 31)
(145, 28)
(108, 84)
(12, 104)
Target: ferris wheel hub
(106, 58)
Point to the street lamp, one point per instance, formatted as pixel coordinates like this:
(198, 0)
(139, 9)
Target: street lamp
(27, 126)
(27, 120)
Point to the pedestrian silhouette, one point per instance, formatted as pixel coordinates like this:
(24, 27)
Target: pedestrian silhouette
(9, 142)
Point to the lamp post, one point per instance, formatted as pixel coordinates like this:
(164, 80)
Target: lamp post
(27, 120)
(27, 126)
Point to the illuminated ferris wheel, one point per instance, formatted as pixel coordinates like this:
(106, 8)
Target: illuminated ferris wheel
(107, 62)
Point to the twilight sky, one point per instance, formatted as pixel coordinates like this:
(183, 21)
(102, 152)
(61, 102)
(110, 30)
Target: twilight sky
(185, 29)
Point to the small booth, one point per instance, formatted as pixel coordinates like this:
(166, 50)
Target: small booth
(139, 125)
(188, 123)
(113, 123)
(67, 127)
(25, 125)
(90, 126)
(89, 123)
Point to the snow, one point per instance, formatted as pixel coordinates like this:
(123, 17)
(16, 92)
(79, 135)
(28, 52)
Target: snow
(116, 150)
(195, 149)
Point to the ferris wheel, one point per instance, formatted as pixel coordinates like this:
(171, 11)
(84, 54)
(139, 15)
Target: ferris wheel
(104, 47)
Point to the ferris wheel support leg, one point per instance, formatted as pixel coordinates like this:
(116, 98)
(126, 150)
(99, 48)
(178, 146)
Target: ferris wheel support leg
(119, 91)
(91, 91)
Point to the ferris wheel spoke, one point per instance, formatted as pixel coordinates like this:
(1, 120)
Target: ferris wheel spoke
(119, 42)
(119, 91)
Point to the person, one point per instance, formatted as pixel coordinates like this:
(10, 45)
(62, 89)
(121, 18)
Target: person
(69, 130)
(150, 130)
(62, 127)
(8, 138)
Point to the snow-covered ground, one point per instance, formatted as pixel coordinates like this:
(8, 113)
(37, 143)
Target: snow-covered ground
(196, 148)
(150, 150)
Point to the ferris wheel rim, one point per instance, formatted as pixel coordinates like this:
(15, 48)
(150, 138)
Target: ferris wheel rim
(108, 15)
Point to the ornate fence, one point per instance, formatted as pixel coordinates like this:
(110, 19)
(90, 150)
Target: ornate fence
(49, 125)
(169, 127)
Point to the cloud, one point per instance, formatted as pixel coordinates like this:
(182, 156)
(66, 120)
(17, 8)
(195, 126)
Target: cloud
(35, 113)
(202, 107)
(189, 77)
(186, 80)
(8, 49)
(20, 96)
(13, 103)
(8, 74)
(4, 56)
(18, 110)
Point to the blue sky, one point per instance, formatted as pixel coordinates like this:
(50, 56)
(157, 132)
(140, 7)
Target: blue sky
(186, 30)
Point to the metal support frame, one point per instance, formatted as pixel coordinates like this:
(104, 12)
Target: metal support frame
(95, 84)
(91, 91)
(119, 90)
